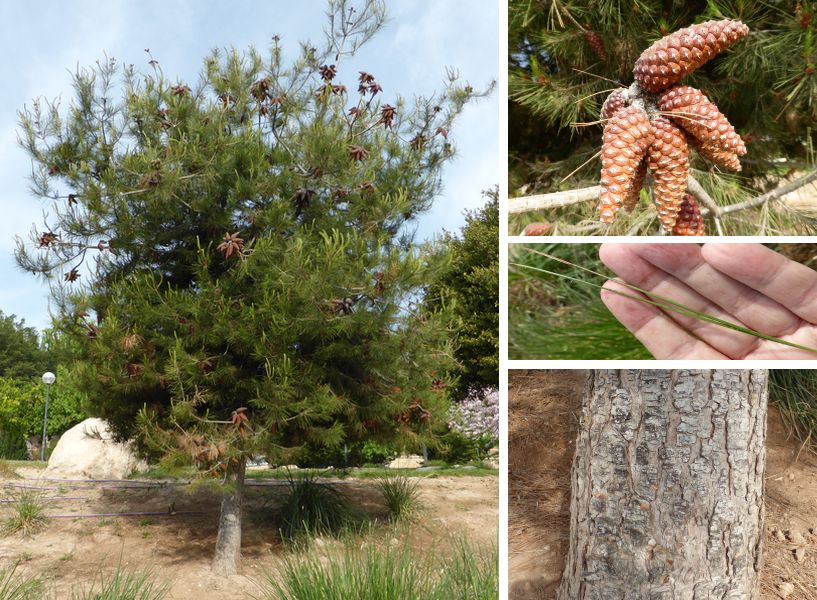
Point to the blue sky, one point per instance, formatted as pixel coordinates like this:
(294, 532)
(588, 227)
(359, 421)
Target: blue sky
(41, 45)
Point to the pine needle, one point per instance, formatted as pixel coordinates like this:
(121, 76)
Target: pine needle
(577, 169)
(618, 83)
(659, 301)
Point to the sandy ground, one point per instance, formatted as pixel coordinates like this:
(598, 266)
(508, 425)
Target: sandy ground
(542, 426)
(178, 547)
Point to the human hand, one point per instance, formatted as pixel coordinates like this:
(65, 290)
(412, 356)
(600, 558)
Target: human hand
(745, 284)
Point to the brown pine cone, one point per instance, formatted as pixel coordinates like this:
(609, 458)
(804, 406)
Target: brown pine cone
(668, 157)
(635, 191)
(690, 221)
(626, 138)
(613, 104)
(596, 44)
(723, 158)
(693, 111)
(676, 55)
(533, 229)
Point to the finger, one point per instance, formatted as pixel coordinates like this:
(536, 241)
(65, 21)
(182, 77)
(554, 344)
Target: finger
(753, 308)
(626, 261)
(663, 337)
(791, 284)
(805, 336)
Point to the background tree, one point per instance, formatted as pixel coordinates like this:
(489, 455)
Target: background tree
(566, 54)
(20, 354)
(471, 285)
(22, 409)
(256, 284)
(667, 485)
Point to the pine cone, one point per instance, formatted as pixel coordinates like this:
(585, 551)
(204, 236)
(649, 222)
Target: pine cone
(627, 136)
(541, 228)
(668, 157)
(723, 158)
(596, 44)
(689, 220)
(674, 56)
(613, 104)
(635, 191)
(693, 111)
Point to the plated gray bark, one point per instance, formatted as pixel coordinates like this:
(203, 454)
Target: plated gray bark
(667, 486)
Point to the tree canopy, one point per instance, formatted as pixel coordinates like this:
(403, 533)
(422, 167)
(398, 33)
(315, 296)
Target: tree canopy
(20, 354)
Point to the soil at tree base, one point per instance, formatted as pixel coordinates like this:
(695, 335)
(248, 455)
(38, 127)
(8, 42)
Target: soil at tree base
(543, 410)
(180, 548)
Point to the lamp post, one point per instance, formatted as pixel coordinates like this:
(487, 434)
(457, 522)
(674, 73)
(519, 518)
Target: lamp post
(48, 379)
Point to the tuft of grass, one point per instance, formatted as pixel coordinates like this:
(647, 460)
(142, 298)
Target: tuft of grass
(17, 587)
(312, 508)
(7, 470)
(401, 496)
(470, 572)
(795, 393)
(27, 514)
(375, 572)
(556, 318)
(124, 584)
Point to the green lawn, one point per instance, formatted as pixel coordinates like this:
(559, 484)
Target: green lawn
(356, 473)
(33, 464)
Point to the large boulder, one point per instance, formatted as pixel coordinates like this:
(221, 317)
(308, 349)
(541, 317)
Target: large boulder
(406, 461)
(87, 451)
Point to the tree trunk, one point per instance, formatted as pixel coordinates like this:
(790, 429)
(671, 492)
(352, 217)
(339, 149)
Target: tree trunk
(667, 487)
(228, 542)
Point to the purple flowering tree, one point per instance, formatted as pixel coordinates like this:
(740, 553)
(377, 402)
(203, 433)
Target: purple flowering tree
(477, 417)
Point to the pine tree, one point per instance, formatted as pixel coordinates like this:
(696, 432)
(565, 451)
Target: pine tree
(568, 55)
(237, 258)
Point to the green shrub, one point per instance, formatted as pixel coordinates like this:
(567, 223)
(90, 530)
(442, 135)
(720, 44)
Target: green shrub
(386, 573)
(311, 508)
(124, 585)
(13, 446)
(401, 496)
(17, 587)
(27, 514)
(355, 455)
(457, 449)
(373, 452)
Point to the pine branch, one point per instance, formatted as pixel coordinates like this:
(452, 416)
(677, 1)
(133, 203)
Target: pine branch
(554, 200)
(697, 190)
(773, 194)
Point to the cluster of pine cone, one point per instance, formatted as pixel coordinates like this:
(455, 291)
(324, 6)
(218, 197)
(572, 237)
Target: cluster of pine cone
(654, 122)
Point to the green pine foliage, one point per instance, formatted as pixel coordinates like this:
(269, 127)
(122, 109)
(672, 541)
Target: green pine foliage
(235, 255)
(766, 85)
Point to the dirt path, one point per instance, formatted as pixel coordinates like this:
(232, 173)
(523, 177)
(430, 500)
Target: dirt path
(542, 426)
(178, 548)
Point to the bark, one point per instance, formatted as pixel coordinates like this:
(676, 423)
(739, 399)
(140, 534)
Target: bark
(667, 487)
(228, 542)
